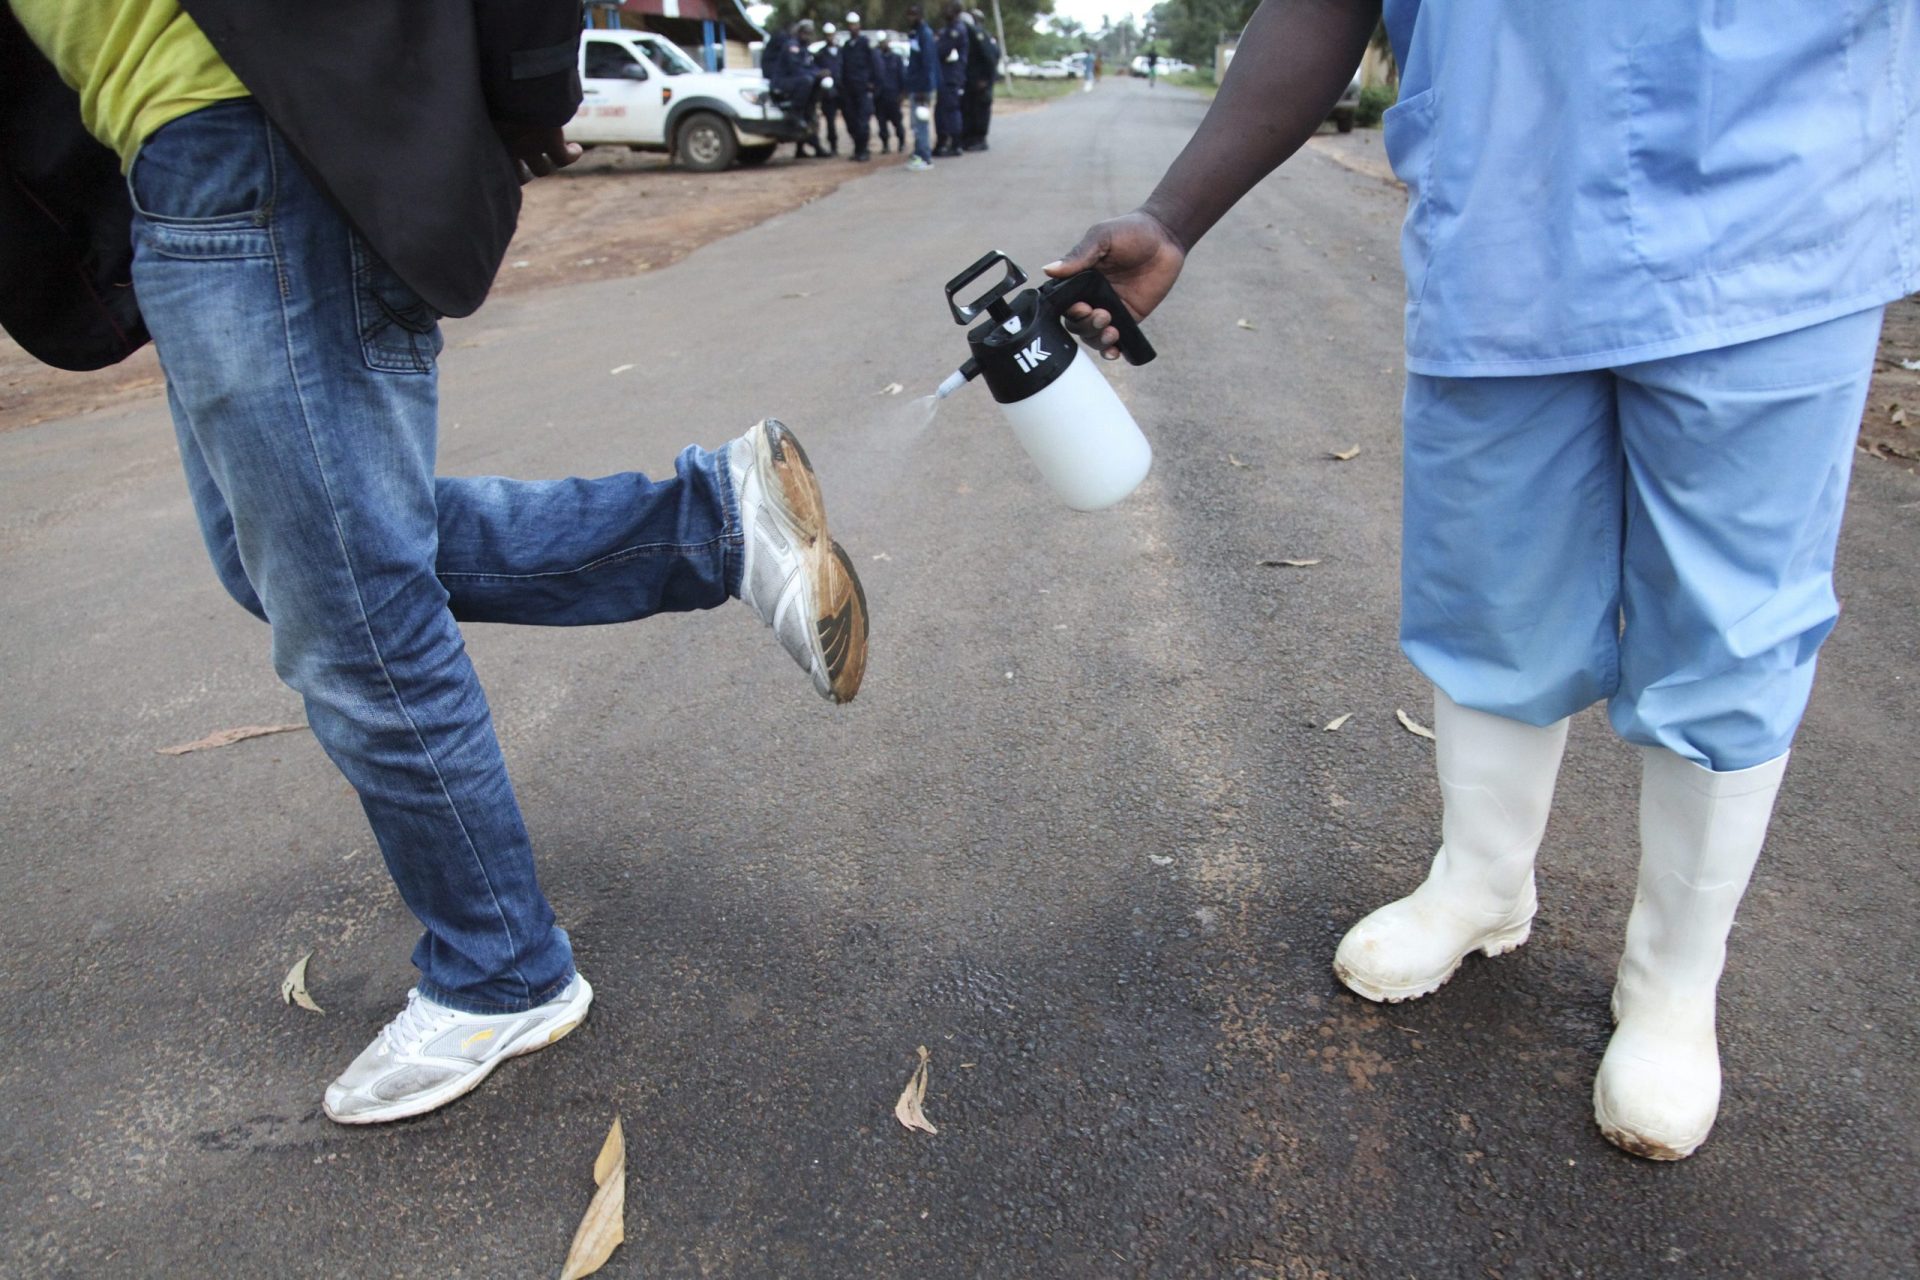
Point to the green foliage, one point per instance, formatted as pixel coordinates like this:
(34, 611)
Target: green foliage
(1374, 101)
(1191, 29)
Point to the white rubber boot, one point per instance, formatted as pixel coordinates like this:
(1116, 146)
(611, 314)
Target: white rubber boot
(1496, 787)
(1658, 1090)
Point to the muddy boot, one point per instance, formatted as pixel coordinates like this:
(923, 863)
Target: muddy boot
(1496, 786)
(1658, 1090)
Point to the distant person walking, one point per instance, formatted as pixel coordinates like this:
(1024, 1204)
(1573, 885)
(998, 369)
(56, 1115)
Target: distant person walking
(889, 83)
(859, 67)
(983, 68)
(923, 81)
(954, 47)
(826, 66)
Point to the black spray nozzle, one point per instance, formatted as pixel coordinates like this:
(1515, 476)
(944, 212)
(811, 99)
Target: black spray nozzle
(1096, 291)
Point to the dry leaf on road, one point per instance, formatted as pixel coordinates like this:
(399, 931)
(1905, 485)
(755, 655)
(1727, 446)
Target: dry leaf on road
(293, 987)
(1333, 725)
(1411, 725)
(1345, 455)
(622, 368)
(908, 1110)
(1288, 564)
(892, 389)
(227, 737)
(604, 1225)
(1234, 462)
(1244, 323)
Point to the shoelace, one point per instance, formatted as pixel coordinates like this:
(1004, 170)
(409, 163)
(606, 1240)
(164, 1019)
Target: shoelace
(413, 1025)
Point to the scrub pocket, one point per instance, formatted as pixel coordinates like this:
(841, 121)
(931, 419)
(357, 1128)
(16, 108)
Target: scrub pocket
(1408, 134)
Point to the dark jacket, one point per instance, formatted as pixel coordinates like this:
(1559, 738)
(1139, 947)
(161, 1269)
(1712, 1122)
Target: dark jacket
(955, 43)
(983, 60)
(890, 74)
(787, 69)
(857, 65)
(389, 108)
(923, 67)
(827, 61)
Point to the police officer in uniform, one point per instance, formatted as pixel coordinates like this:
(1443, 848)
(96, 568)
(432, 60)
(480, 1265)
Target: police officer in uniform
(791, 78)
(858, 69)
(826, 69)
(983, 68)
(954, 47)
(889, 82)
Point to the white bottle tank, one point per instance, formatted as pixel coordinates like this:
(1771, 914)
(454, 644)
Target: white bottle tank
(1076, 430)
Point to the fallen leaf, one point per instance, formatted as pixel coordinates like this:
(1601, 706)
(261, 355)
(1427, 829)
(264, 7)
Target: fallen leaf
(621, 369)
(1244, 323)
(1159, 860)
(796, 295)
(1898, 416)
(293, 987)
(1333, 725)
(1345, 455)
(604, 1225)
(908, 1110)
(1411, 725)
(1234, 462)
(883, 556)
(1910, 364)
(522, 263)
(227, 737)
(1288, 564)
(892, 389)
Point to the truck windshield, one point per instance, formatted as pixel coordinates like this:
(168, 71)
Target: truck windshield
(669, 58)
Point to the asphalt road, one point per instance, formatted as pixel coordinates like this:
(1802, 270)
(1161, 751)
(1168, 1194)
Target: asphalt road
(1082, 835)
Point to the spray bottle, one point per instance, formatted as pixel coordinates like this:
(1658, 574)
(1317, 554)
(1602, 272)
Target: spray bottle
(1073, 426)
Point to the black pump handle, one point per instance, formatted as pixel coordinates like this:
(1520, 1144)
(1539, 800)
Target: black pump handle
(993, 297)
(1096, 290)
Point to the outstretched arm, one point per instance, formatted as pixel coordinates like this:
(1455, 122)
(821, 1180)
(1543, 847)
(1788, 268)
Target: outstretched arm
(1293, 61)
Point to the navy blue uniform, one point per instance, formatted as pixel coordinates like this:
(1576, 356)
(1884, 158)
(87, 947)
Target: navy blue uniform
(828, 100)
(983, 67)
(858, 70)
(789, 76)
(889, 82)
(954, 48)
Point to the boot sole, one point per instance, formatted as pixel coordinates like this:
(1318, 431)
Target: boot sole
(1635, 1144)
(838, 632)
(1498, 944)
(460, 1086)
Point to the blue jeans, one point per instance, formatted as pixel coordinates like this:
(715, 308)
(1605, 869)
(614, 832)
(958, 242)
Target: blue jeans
(301, 375)
(1659, 535)
(922, 141)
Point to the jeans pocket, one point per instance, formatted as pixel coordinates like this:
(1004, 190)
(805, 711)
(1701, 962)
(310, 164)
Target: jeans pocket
(202, 185)
(399, 333)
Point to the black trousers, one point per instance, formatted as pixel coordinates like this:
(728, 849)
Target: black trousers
(886, 112)
(857, 106)
(978, 109)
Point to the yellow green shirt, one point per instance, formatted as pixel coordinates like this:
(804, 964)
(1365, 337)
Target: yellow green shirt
(136, 64)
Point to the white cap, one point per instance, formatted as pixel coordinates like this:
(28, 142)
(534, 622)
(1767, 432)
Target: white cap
(853, 19)
(828, 28)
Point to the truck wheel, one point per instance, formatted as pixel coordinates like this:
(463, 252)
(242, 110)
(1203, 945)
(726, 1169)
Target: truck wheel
(705, 143)
(750, 156)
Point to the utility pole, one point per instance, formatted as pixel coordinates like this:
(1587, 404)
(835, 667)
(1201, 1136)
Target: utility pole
(1000, 30)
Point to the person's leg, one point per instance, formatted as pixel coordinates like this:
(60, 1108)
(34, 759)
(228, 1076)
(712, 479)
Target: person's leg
(859, 110)
(1509, 577)
(830, 114)
(302, 373)
(922, 144)
(1738, 462)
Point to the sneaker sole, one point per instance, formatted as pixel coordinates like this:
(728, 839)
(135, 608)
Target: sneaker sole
(568, 1019)
(837, 634)
(1498, 944)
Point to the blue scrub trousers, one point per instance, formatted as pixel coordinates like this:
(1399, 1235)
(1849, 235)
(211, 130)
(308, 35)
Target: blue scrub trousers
(1660, 535)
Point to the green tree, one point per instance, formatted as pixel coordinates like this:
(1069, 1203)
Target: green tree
(1191, 29)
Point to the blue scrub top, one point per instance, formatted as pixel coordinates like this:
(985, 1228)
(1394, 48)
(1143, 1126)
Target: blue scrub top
(1598, 182)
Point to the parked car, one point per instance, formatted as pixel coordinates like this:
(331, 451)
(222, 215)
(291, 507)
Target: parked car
(1343, 110)
(1053, 69)
(644, 93)
(1018, 69)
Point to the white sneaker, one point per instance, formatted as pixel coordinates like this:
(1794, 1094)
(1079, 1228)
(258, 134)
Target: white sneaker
(917, 165)
(796, 578)
(430, 1054)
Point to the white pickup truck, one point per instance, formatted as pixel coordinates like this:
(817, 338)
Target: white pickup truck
(644, 93)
